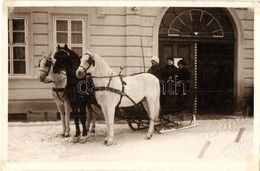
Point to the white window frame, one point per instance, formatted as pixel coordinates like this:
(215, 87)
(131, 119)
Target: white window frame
(69, 19)
(11, 45)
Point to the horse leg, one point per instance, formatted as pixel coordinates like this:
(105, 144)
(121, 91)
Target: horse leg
(83, 123)
(83, 118)
(146, 107)
(154, 106)
(88, 116)
(67, 118)
(61, 110)
(93, 124)
(110, 113)
(76, 121)
(91, 117)
(82, 111)
(105, 112)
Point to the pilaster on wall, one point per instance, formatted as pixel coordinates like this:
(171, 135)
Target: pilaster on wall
(243, 20)
(133, 40)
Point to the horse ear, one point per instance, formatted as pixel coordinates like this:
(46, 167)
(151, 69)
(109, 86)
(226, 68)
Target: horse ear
(43, 53)
(49, 55)
(91, 60)
(58, 47)
(49, 58)
(66, 47)
(94, 62)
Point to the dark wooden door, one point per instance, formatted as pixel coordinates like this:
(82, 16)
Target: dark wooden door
(178, 50)
(215, 77)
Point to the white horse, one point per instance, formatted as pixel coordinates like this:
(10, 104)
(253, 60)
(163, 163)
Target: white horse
(59, 82)
(140, 87)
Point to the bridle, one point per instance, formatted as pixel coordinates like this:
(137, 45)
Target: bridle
(47, 64)
(68, 54)
(60, 50)
(90, 62)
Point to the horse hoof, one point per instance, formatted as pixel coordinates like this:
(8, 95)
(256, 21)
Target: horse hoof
(75, 139)
(105, 142)
(66, 136)
(83, 139)
(109, 143)
(148, 137)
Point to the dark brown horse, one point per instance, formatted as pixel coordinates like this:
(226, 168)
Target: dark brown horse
(69, 61)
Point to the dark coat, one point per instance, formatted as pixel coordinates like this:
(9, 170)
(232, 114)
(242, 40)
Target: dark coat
(183, 74)
(155, 70)
(168, 71)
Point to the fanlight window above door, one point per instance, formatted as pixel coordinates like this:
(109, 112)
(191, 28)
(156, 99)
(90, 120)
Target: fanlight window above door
(195, 23)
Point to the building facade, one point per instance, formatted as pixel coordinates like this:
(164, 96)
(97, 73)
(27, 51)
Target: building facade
(216, 44)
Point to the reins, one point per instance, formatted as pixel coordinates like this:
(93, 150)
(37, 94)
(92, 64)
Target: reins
(118, 75)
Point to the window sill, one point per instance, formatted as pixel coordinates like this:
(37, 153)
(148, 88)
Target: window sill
(22, 77)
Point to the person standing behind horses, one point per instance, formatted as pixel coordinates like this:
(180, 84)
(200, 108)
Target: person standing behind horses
(155, 68)
(183, 73)
(169, 71)
(168, 74)
(182, 81)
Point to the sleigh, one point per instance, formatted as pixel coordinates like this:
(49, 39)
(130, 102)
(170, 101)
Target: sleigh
(177, 113)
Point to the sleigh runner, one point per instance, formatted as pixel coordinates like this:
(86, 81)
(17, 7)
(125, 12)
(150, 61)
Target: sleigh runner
(174, 118)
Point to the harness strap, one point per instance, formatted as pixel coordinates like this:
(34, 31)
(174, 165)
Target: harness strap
(115, 75)
(57, 90)
(110, 79)
(114, 90)
(123, 91)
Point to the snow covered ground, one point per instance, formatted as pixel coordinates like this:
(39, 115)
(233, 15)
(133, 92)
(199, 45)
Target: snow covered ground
(38, 142)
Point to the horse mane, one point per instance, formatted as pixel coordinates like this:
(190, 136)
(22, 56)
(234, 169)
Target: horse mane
(101, 67)
(74, 59)
(71, 63)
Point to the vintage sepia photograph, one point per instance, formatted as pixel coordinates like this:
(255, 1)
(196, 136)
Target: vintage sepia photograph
(141, 84)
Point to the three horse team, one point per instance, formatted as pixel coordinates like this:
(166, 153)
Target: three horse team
(113, 93)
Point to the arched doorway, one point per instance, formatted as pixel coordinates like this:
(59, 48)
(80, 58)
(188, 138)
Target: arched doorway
(204, 38)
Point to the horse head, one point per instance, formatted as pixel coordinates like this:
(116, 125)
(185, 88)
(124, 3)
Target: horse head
(45, 65)
(62, 57)
(87, 65)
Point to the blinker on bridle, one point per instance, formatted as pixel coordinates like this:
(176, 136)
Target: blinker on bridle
(47, 64)
(90, 62)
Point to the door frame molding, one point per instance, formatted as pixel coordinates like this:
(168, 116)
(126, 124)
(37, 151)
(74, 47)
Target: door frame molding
(238, 48)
